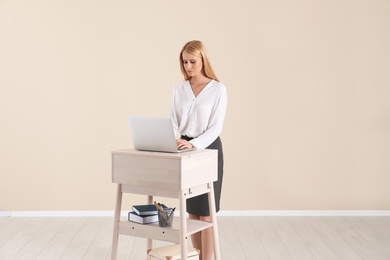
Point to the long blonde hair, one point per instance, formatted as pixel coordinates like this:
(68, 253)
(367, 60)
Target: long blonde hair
(197, 48)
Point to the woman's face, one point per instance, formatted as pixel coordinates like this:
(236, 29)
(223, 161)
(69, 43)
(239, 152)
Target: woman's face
(192, 64)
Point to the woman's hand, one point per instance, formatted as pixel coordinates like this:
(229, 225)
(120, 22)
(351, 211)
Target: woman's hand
(182, 144)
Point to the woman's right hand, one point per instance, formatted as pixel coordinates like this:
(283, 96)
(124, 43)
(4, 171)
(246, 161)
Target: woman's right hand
(183, 144)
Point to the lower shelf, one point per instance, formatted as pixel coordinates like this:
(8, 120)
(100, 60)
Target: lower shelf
(153, 231)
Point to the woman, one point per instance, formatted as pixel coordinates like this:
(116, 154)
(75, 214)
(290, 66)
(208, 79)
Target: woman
(197, 113)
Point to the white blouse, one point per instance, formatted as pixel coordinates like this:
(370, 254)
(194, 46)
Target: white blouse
(200, 117)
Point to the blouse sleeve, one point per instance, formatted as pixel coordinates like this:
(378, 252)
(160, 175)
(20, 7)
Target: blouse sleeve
(216, 120)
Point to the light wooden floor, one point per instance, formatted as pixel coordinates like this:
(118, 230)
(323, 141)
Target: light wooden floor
(240, 237)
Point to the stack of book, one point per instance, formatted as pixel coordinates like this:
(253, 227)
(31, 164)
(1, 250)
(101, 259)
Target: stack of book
(144, 214)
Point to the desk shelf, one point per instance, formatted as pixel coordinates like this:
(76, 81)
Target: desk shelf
(153, 231)
(180, 176)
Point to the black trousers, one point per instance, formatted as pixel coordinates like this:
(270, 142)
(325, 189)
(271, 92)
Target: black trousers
(199, 205)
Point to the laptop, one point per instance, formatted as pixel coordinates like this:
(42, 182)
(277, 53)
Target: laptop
(154, 134)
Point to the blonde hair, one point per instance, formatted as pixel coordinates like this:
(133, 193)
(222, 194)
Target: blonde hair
(197, 48)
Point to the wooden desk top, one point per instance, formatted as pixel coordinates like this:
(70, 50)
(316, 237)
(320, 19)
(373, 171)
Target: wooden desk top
(178, 156)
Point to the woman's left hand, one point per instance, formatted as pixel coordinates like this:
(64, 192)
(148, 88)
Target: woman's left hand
(182, 144)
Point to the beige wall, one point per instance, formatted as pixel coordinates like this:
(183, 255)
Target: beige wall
(308, 122)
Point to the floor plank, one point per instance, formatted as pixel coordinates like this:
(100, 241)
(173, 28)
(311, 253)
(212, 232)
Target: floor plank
(341, 248)
(357, 242)
(21, 237)
(240, 238)
(251, 244)
(63, 238)
(385, 220)
(139, 249)
(82, 240)
(101, 245)
(229, 241)
(377, 238)
(379, 225)
(125, 246)
(312, 239)
(4, 221)
(270, 238)
(12, 227)
(291, 239)
(42, 238)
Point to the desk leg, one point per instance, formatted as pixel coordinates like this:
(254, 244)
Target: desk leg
(213, 215)
(149, 241)
(183, 226)
(117, 215)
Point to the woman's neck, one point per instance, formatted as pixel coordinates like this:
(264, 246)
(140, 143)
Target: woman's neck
(201, 79)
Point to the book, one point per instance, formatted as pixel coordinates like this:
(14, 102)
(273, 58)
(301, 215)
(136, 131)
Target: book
(143, 210)
(145, 219)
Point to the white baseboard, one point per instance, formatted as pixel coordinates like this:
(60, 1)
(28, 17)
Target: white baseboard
(221, 213)
(304, 213)
(62, 214)
(5, 214)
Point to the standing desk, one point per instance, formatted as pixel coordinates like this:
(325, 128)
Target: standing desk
(171, 175)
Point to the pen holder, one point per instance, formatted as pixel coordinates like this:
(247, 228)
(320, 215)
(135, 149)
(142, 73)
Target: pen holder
(165, 218)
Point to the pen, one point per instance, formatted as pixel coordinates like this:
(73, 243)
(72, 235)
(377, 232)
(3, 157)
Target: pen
(162, 212)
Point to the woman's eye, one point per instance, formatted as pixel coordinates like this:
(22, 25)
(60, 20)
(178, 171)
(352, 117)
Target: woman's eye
(192, 62)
